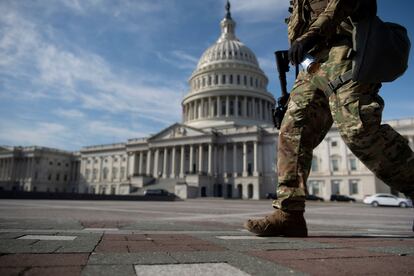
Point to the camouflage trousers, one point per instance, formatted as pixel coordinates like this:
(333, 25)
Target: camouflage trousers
(356, 110)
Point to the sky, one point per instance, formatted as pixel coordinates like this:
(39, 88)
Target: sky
(76, 73)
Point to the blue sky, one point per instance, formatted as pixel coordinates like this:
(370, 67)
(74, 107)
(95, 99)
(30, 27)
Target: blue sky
(84, 72)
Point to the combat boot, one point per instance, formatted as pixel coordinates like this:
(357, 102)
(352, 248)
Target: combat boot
(279, 223)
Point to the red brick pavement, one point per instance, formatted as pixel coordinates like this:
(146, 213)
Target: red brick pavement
(153, 243)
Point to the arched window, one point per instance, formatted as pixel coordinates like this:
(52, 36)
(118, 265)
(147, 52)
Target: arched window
(105, 173)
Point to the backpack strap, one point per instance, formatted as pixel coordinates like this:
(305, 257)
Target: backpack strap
(338, 83)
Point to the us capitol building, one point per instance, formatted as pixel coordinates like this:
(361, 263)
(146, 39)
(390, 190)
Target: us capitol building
(224, 147)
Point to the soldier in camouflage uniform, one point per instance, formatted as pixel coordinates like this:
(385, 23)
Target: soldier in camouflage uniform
(323, 29)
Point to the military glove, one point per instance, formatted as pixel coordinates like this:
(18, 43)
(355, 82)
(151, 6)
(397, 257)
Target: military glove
(300, 47)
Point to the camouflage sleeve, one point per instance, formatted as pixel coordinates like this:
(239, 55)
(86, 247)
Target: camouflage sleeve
(327, 22)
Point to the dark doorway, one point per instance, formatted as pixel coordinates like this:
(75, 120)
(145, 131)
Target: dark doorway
(250, 191)
(203, 192)
(229, 191)
(240, 190)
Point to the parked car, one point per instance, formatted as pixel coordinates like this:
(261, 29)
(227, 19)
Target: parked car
(156, 192)
(387, 200)
(342, 198)
(271, 196)
(314, 197)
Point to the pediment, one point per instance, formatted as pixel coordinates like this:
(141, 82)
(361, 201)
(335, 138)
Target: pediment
(177, 131)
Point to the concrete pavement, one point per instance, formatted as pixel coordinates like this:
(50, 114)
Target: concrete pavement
(198, 237)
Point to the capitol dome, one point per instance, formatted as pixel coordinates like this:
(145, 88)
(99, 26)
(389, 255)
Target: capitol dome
(228, 88)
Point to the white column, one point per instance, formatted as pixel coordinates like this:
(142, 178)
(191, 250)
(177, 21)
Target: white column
(149, 162)
(100, 169)
(173, 175)
(182, 162)
(227, 106)
(190, 165)
(164, 165)
(225, 160)
(235, 160)
(210, 159)
(156, 163)
(200, 158)
(255, 152)
(141, 160)
(244, 159)
(132, 164)
(345, 165)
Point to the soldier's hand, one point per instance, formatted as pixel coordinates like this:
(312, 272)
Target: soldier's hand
(300, 47)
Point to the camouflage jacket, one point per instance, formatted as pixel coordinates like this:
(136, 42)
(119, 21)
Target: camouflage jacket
(328, 18)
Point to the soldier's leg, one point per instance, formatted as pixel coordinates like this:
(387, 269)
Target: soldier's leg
(357, 110)
(304, 126)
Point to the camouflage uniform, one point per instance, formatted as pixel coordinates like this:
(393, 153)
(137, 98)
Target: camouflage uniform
(355, 108)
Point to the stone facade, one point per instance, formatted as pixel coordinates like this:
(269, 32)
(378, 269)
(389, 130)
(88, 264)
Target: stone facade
(38, 169)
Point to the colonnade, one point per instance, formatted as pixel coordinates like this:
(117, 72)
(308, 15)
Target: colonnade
(206, 159)
(228, 106)
(13, 168)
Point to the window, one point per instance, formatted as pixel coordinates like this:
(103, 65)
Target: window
(239, 104)
(353, 187)
(238, 79)
(114, 172)
(49, 177)
(334, 144)
(57, 177)
(245, 80)
(209, 80)
(353, 164)
(251, 81)
(315, 165)
(223, 79)
(65, 177)
(58, 164)
(35, 175)
(51, 163)
(122, 172)
(231, 108)
(105, 173)
(94, 174)
(223, 107)
(216, 79)
(335, 165)
(231, 79)
(87, 174)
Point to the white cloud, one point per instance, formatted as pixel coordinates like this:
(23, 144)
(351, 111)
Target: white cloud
(69, 113)
(84, 76)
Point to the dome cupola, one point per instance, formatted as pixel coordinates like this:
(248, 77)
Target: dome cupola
(228, 88)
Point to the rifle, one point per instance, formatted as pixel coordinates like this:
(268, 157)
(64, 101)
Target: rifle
(282, 63)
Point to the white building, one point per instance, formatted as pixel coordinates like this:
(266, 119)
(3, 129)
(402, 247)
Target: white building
(225, 146)
(38, 169)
